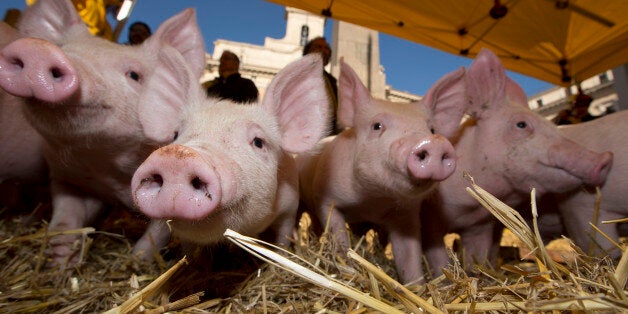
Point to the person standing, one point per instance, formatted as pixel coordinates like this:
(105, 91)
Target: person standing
(320, 45)
(12, 16)
(138, 33)
(229, 84)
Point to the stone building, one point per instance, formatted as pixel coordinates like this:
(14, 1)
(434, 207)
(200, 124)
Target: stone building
(358, 46)
(601, 87)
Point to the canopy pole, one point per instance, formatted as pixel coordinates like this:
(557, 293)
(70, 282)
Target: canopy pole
(123, 16)
(620, 74)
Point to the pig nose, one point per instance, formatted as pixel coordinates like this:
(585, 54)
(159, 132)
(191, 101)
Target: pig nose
(176, 182)
(434, 158)
(32, 67)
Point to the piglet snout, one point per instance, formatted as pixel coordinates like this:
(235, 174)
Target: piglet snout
(32, 67)
(176, 182)
(434, 159)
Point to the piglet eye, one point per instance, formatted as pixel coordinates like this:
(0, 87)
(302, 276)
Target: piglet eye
(377, 126)
(133, 75)
(258, 142)
(432, 130)
(522, 124)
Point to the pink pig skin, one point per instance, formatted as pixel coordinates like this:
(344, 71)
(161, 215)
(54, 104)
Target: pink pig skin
(7, 34)
(21, 158)
(382, 165)
(507, 149)
(231, 166)
(576, 207)
(23, 169)
(93, 101)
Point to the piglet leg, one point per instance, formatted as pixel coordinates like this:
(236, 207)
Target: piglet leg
(72, 211)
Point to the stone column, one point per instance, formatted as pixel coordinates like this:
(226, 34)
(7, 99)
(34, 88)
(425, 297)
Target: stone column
(359, 47)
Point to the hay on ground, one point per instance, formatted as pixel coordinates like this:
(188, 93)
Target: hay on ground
(311, 278)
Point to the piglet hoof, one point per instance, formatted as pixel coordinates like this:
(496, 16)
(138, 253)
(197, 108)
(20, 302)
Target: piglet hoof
(144, 253)
(156, 237)
(65, 251)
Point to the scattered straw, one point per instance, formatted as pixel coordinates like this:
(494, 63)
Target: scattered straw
(307, 271)
(412, 302)
(137, 299)
(310, 278)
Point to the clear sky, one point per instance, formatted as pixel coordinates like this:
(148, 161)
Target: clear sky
(408, 66)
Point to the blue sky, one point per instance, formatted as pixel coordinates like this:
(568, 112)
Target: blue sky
(408, 66)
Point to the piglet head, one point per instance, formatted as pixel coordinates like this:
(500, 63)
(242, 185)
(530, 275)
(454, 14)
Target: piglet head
(222, 171)
(395, 145)
(90, 87)
(524, 149)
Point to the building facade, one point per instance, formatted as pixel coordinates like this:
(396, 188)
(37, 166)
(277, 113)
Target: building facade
(358, 46)
(601, 88)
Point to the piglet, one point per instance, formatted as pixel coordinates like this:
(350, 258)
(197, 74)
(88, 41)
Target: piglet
(382, 165)
(23, 169)
(576, 208)
(21, 158)
(93, 102)
(508, 149)
(232, 165)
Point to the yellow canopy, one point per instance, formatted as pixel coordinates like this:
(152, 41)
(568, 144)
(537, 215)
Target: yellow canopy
(558, 41)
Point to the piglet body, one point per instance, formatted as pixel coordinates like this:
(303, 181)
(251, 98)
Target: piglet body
(507, 149)
(23, 169)
(93, 102)
(576, 208)
(232, 165)
(21, 158)
(379, 168)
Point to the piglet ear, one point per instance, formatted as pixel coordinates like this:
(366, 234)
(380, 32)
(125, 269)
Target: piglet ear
(352, 96)
(9, 34)
(298, 97)
(486, 83)
(446, 98)
(515, 93)
(181, 32)
(181, 60)
(166, 93)
(52, 20)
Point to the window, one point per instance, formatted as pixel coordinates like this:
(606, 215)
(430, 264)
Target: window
(539, 103)
(305, 33)
(603, 78)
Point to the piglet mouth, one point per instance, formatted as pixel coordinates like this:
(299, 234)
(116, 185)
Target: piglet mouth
(418, 188)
